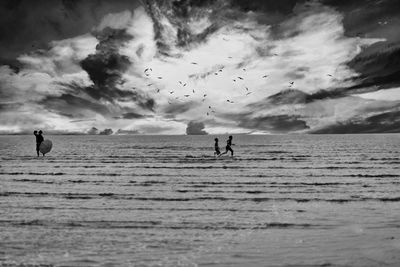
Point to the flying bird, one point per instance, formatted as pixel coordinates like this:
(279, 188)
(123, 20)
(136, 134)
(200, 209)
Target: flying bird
(158, 90)
(150, 84)
(193, 91)
(159, 78)
(230, 101)
(229, 57)
(234, 80)
(204, 95)
(186, 95)
(194, 63)
(171, 92)
(247, 89)
(240, 78)
(249, 93)
(265, 76)
(329, 75)
(244, 69)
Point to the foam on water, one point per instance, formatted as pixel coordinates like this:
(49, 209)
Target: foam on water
(166, 201)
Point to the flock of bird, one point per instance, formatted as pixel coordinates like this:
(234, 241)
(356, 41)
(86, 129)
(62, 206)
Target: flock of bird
(148, 71)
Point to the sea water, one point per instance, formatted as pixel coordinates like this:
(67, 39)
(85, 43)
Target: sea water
(283, 200)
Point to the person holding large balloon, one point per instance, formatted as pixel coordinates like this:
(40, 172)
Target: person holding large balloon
(42, 146)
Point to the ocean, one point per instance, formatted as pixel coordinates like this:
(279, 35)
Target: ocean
(283, 200)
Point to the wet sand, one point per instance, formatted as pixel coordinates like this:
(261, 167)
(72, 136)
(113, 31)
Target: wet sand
(320, 200)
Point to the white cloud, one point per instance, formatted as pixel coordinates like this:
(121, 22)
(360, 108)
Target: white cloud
(385, 94)
(310, 45)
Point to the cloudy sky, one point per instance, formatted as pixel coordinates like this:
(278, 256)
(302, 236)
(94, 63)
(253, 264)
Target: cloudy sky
(223, 66)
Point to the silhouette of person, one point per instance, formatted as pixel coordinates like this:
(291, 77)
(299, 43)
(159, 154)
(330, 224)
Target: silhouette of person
(228, 146)
(39, 140)
(217, 151)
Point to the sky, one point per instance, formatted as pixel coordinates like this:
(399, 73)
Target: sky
(200, 67)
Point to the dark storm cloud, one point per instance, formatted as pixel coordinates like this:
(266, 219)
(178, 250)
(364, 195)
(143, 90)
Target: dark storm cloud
(132, 115)
(294, 96)
(378, 67)
(178, 108)
(93, 130)
(219, 13)
(283, 7)
(9, 106)
(195, 128)
(106, 132)
(275, 123)
(290, 96)
(359, 17)
(388, 122)
(110, 94)
(27, 25)
(72, 106)
(179, 14)
(106, 66)
(378, 63)
(363, 17)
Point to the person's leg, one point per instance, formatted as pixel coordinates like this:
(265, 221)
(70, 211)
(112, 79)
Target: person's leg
(37, 149)
(223, 153)
(230, 149)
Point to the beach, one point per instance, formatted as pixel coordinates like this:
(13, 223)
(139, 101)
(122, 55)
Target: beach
(282, 200)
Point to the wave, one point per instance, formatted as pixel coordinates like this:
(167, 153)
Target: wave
(158, 225)
(374, 175)
(33, 173)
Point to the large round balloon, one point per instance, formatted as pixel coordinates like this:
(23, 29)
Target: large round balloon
(45, 146)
